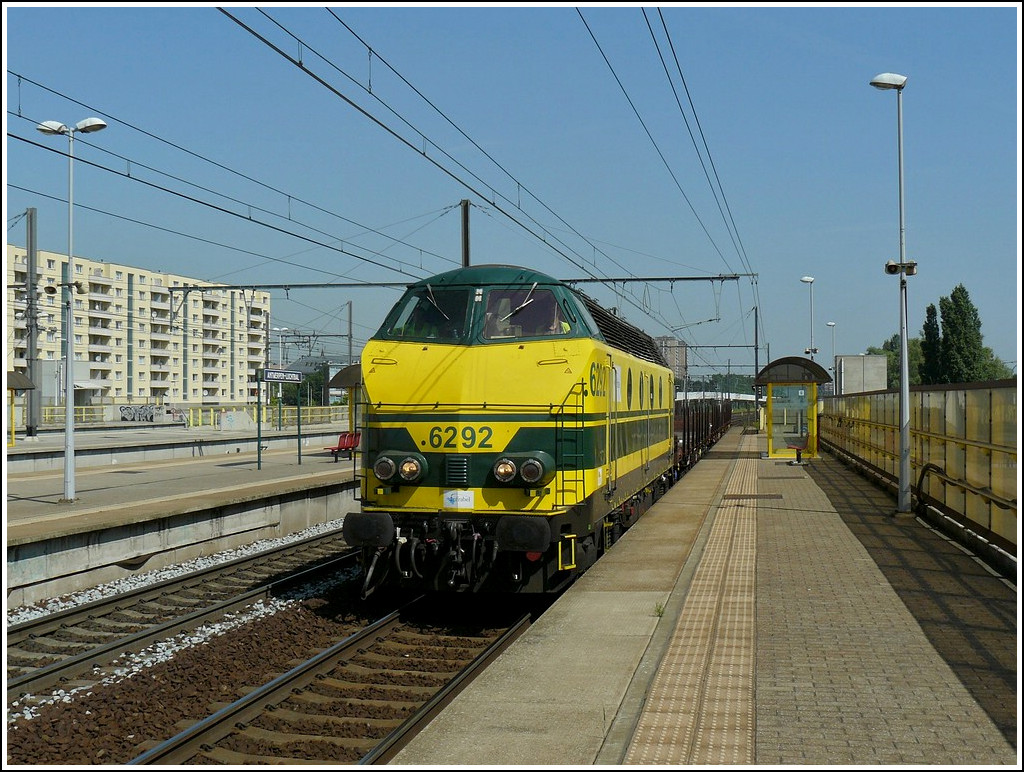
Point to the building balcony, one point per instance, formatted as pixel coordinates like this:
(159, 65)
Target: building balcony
(97, 276)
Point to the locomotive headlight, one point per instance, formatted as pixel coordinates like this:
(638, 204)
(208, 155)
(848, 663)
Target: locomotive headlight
(410, 469)
(531, 471)
(504, 469)
(384, 468)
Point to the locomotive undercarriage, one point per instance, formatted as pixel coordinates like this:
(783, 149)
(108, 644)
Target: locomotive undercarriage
(507, 553)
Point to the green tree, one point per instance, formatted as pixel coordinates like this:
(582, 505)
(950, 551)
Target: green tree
(891, 350)
(993, 369)
(931, 348)
(309, 392)
(951, 354)
(962, 350)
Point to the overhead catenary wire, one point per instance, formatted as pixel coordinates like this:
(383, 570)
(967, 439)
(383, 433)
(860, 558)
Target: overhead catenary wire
(643, 303)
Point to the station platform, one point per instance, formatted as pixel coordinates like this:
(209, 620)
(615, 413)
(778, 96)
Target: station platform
(164, 495)
(759, 613)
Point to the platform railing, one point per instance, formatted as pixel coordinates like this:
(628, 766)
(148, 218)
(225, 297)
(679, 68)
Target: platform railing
(963, 448)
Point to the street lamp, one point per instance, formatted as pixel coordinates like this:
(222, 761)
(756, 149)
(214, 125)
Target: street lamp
(809, 281)
(280, 363)
(888, 81)
(832, 326)
(86, 126)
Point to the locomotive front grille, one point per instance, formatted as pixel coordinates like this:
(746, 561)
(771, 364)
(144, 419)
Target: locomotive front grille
(456, 471)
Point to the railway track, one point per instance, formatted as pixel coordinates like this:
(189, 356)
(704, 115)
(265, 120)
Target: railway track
(61, 649)
(81, 704)
(358, 701)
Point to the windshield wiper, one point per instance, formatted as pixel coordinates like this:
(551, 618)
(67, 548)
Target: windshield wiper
(433, 302)
(520, 307)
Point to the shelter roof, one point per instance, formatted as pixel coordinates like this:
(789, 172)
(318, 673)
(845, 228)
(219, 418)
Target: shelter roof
(18, 381)
(792, 370)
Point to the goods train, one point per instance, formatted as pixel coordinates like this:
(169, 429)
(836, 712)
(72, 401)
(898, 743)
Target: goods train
(511, 430)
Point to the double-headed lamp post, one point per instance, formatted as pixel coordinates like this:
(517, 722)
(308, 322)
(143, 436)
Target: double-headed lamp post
(280, 363)
(809, 281)
(86, 126)
(890, 81)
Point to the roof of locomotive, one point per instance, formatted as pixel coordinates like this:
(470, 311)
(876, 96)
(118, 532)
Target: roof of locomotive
(483, 275)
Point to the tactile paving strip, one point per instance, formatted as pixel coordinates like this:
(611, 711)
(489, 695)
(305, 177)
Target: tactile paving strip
(700, 708)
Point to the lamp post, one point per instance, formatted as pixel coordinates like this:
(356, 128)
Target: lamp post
(86, 126)
(832, 326)
(889, 81)
(809, 281)
(280, 363)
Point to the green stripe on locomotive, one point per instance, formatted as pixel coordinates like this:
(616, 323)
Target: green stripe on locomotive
(586, 450)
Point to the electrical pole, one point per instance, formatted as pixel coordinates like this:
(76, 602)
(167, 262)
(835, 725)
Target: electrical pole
(465, 233)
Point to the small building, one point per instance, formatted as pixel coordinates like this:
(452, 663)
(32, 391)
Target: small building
(791, 423)
(856, 373)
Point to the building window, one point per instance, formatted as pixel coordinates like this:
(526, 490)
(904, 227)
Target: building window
(51, 264)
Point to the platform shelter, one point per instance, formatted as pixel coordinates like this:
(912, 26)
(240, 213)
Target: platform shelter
(791, 385)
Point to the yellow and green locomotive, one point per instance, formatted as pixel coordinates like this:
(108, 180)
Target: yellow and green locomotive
(511, 428)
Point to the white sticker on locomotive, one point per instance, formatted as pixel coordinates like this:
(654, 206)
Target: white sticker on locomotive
(458, 499)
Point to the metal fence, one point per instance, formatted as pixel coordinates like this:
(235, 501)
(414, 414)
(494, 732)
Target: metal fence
(963, 448)
(52, 416)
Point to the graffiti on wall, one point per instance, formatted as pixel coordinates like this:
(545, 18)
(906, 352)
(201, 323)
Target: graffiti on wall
(149, 414)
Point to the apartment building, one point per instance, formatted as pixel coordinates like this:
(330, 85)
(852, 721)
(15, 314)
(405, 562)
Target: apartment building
(139, 336)
(674, 351)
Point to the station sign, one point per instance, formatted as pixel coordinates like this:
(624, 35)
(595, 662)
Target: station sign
(282, 376)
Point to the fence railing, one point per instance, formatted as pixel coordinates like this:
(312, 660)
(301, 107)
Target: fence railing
(963, 447)
(52, 416)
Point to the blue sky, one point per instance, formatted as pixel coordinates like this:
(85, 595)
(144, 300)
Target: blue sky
(571, 133)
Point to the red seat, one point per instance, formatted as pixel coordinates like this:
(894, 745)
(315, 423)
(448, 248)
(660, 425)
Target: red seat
(347, 442)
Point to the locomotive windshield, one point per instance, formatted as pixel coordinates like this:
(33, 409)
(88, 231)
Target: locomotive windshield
(464, 315)
(524, 312)
(429, 315)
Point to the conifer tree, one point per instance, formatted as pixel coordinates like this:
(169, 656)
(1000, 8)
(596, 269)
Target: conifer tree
(931, 348)
(962, 349)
